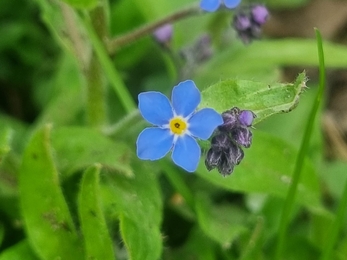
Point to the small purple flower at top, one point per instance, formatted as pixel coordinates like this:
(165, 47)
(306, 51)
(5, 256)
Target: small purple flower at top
(259, 14)
(213, 5)
(176, 125)
(248, 23)
(163, 34)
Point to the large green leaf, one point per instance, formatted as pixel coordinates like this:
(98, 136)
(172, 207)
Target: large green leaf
(85, 4)
(47, 219)
(261, 59)
(263, 99)
(96, 237)
(138, 202)
(65, 102)
(21, 250)
(222, 223)
(63, 23)
(267, 168)
(78, 147)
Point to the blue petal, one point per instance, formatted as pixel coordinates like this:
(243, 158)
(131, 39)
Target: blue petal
(186, 153)
(155, 107)
(185, 98)
(231, 3)
(154, 143)
(204, 122)
(209, 5)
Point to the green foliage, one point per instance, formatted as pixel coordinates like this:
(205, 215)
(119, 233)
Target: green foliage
(139, 205)
(85, 4)
(75, 189)
(264, 100)
(269, 173)
(45, 211)
(97, 240)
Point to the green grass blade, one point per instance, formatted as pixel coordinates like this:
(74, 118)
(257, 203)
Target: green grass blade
(289, 202)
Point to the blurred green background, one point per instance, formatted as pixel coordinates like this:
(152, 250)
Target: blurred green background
(71, 186)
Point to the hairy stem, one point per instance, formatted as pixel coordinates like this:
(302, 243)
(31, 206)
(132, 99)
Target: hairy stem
(128, 38)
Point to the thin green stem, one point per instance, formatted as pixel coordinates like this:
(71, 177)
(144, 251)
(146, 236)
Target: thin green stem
(123, 40)
(123, 125)
(290, 199)
(108, 67)
(176, 181)
(96, 99)
(96, 107)
(335, 227)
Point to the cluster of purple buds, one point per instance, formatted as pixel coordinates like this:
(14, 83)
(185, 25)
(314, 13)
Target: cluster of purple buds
(226, 145)
(248, 23)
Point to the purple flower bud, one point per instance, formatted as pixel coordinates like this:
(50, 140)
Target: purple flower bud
(230, 119)
(163, 34)
(213, 159)
(242, 22)
(220, 142)
(246, 117)
(242, 136)
(231, 157)
(225, 167)
(259, 14)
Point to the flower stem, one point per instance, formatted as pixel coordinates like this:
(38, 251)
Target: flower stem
(96, 99)
(123, 125)
(96, 109)
(108, 67)
(128, 38)
(290, 199)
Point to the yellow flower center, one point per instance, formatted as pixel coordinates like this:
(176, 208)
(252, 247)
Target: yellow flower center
(178, 125)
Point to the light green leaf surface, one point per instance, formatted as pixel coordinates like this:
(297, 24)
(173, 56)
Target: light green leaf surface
(262, 59)
(267, 168)
(19, 251)
(221, 223)
(78, 147)
(85, 4)
(47, 219)
(139, 204)
(197, 246)
(65, 102)
(263, 99)
(96, 236)
(63, 24)
(2, 232)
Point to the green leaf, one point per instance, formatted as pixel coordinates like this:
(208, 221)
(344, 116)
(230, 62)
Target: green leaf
(63, 23)
(267, 168)
(5, 137)
(263, 99)
(197, 246)
(21, 250)
(86, 4)
(78, 147)
(63, 97)
(262, 59)
(286, 3)
(46, 215)
(222, 223)
(139, 203)
(96, 237)
(2, 232)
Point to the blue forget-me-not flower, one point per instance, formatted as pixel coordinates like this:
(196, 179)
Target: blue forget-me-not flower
(213, 5)
(177, 124)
